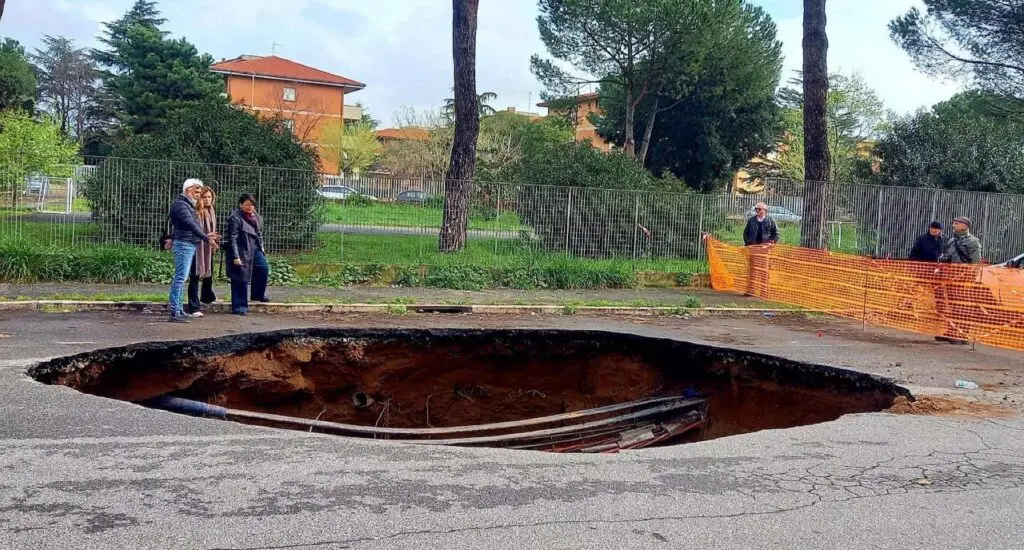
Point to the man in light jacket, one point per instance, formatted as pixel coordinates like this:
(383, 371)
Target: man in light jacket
(952, 299)
(187, 233)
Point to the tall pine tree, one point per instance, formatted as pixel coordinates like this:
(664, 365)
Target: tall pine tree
(150, 75)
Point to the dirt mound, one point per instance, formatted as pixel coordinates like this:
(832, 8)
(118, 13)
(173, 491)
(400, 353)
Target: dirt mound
(948, 406)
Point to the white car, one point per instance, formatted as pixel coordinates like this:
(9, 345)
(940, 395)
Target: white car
(342, 192)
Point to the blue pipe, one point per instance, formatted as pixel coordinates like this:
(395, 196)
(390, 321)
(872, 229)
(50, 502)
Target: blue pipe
(187, 406)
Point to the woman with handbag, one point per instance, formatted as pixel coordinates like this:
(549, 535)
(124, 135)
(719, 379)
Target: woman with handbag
(202, 265)
(247, 263)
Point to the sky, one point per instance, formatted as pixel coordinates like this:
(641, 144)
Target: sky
(401, 49)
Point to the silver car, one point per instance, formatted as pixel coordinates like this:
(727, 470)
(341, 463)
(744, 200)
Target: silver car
(342, 192)
(778, 213)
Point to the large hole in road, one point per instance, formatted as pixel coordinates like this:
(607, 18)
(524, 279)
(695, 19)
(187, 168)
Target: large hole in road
(529, 388)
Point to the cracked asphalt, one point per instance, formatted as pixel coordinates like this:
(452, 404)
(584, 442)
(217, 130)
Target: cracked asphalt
(83, 472)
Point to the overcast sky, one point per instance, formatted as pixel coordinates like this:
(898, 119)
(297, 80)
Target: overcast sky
(401, 49)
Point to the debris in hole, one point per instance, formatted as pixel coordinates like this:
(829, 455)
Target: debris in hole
(610, 429)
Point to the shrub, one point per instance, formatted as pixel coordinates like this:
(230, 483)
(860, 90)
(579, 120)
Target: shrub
(608, 206)
(458, 277)
(408, 277)
(231, 151)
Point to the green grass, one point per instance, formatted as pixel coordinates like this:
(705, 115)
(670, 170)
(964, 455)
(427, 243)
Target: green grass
(480, 251)
(408, 215)
(42, 251)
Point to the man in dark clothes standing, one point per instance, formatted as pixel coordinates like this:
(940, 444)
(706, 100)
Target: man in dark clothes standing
(760, 231)
(928, 246)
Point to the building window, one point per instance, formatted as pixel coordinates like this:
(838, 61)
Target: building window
(289, 124)
(289, 94)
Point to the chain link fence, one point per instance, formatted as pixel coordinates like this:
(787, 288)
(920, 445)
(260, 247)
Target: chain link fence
(377, 219)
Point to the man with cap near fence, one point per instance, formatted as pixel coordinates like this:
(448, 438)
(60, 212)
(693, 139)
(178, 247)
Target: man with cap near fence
(928, 247)
(760, 231)
(187, 233)
(952, 299)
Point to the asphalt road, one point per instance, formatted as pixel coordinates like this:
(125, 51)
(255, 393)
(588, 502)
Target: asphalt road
(86, 473)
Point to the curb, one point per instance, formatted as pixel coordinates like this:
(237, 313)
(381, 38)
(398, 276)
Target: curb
(71, 306)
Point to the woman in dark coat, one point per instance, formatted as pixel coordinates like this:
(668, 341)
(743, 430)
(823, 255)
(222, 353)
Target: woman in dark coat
(245, 255)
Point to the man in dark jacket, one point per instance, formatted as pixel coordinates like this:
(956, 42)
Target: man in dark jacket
(187, 233)
(928, 246)
(761, 230)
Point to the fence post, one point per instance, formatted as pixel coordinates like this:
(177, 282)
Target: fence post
(497, 222)
(636, 225)
(700, 229)
(935, 203)
(568, 210)
(878, 226)
(984, 224)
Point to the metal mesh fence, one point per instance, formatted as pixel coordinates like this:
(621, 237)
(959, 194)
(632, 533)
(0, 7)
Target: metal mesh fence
(377, 219)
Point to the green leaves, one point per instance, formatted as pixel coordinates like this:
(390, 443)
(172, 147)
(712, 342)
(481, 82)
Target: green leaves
(977, 38)
(28, 145)
(17, 77)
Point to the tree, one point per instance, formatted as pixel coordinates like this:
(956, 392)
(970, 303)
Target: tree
(163, 76)
(365, 117)
(816, 154)
(719, 112)
(426, 151)
(27, 146)
(614, 43)
(351, 147)
(951, 148)
(231, 150)
(981, 39)
(67, 83)
(484, 109)
(17, 78)
(855, 115)
(462, 166)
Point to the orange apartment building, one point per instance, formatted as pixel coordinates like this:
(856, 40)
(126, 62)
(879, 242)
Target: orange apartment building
(308, 99)
(579, 112)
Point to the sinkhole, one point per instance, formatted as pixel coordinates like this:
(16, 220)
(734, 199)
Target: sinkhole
(553, 390)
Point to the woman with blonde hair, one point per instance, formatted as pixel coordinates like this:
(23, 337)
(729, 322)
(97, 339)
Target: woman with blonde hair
(202, 266)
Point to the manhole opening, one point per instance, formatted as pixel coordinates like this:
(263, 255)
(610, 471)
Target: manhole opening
(533, 389)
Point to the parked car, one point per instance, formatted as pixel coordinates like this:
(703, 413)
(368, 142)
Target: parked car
(36, 184)
(342, 192)
(414, 197)
(779, 213)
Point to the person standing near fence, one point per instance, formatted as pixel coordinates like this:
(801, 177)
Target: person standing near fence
(187, 233)
(952, 298)
(246, 258)
(202, 266)
(760, 233)
(928, 247)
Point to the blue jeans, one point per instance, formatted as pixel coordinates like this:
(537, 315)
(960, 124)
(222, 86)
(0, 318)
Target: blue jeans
(241, 291)
(183, 254)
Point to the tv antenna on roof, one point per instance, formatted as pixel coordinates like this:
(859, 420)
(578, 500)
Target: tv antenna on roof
(273, 48)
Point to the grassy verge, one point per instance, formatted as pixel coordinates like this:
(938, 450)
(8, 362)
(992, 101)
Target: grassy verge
(408, 215)
(54, 252)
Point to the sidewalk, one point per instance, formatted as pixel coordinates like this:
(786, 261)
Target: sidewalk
(666, 297)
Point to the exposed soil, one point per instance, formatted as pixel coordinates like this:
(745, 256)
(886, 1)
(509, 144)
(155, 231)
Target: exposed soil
(949, 406)
(440, 378)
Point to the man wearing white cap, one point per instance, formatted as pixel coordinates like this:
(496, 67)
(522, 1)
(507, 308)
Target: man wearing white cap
(187, 233)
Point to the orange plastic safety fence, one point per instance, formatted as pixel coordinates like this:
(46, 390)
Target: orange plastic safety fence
(982, 304)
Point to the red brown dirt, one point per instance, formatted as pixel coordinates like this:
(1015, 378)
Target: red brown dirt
(949, 406)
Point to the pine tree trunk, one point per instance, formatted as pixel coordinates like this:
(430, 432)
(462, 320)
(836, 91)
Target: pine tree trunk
(629, 143)
(461, 166)
(816, 153)
(645, 145)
